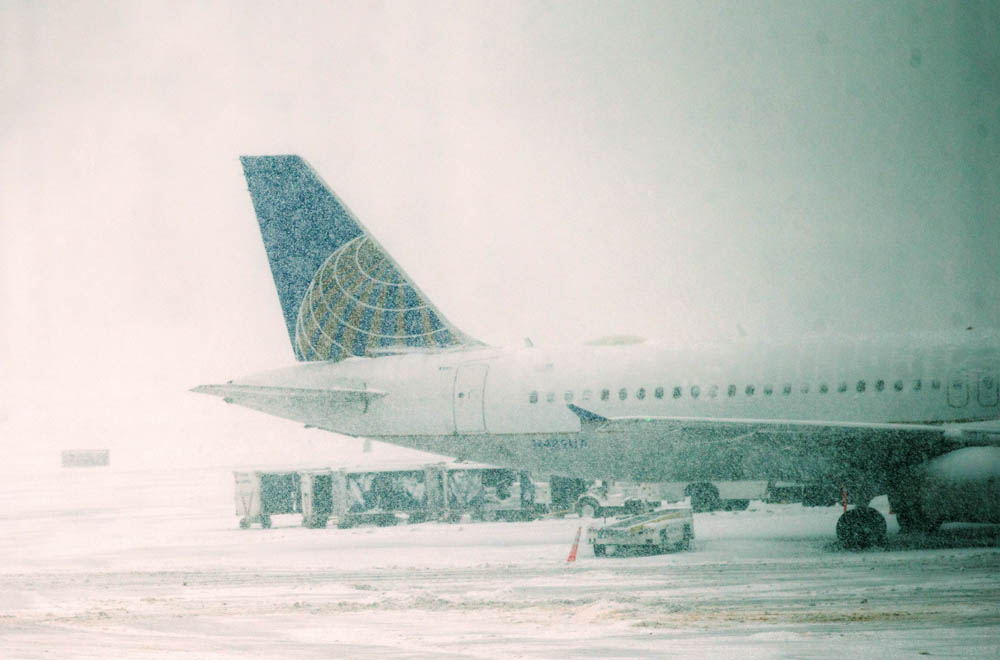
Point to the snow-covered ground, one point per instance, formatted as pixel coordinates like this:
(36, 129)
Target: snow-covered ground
(149, 563)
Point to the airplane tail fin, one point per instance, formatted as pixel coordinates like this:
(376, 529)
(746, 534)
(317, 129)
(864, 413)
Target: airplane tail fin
(342, 295)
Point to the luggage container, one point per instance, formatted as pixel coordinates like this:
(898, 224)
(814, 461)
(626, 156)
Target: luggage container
(317, 497)
(385, 496)
(263, 493)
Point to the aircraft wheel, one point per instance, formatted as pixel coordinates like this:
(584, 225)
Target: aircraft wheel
(265, 522)
(244, 523)
(588, 509)
(600, 550)
(736, 505)
(861, 528)
(704, 497)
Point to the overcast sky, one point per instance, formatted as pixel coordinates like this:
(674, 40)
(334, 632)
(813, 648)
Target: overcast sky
(554, 170)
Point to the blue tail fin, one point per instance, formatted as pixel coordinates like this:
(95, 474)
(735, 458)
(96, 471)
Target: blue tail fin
(341, 294)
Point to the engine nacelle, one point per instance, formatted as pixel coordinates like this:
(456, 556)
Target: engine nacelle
(961, 486)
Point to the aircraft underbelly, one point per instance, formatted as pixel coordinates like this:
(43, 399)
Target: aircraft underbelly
(653, 458)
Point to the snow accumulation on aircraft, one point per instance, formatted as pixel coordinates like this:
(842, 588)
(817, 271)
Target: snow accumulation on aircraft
(875, 415)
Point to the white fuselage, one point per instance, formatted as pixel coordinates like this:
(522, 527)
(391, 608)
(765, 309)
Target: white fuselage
(522, 391)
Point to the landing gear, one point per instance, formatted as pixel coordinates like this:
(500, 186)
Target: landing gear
(861, 527)
(704, 497)
(589, 508)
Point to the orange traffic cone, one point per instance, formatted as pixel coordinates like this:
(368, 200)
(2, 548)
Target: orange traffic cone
(576, 544)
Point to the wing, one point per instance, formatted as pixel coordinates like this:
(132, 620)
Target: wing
(974, 433)
(744, 426)
(698, 447)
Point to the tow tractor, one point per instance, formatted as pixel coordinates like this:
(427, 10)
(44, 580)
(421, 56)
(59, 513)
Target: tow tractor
(664, 530)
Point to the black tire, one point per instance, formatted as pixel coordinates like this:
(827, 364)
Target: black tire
(589, 508)
(265, 521)
(600, 550)
(385, 520)
(244, 523)
(861, 528)
(704, 497)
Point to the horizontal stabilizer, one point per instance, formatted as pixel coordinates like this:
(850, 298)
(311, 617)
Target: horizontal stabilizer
(296, 403)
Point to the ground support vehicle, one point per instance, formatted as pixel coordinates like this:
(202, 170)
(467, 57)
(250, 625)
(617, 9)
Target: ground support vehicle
(663, 530)
(785, 492)
(715, 495)
(511, 496)
(614, 498)
(263, 493)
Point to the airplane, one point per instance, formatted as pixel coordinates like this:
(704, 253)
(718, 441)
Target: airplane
(874, 415)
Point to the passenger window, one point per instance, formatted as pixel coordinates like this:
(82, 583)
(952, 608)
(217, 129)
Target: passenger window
(677, 392)
(623, 394)
(787, 389)
(533, 397)
(641, 393)
(935, 384)
(731, 391)
(713, 391)
(880, 385)
(823, 389)
(860, 386)
(917, 385)
(695, 391)
(550, 397)
(659, 393)
(605, 394)
(768, 390)
(805, 388)
(586, 395)
(898, 386)
(750, 390)
(568, 396)
(842, 387)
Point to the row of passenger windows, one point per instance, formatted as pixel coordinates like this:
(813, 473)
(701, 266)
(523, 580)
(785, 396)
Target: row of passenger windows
(712, 391)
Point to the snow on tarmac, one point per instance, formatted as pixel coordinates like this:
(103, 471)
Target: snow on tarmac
(150, 563)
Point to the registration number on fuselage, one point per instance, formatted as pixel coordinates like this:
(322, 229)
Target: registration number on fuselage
(559, 443)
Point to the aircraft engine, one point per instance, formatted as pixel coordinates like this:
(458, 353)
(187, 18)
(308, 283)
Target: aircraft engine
(960, 486)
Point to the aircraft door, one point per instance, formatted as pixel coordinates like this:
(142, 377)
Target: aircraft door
(988, 390)
(958, 391)
(470, 388)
